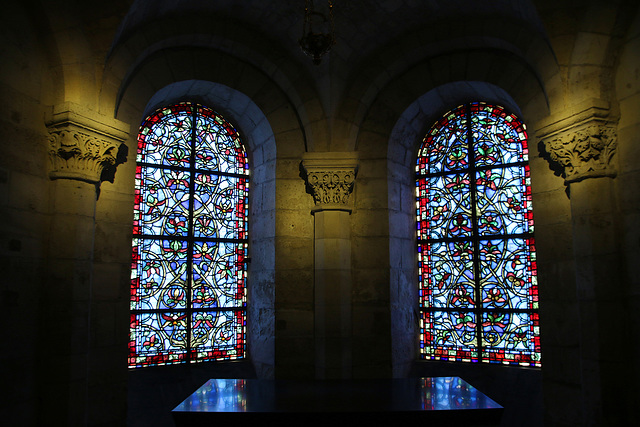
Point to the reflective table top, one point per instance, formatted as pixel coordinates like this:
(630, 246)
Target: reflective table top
(336, 396)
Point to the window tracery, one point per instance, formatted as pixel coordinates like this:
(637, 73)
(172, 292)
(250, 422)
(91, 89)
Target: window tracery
(188, 275)
(476, 250)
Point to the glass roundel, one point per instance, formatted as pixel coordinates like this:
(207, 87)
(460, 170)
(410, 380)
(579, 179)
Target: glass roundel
(188, 272)
(476, 251)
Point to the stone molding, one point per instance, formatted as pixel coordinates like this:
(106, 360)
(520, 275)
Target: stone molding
(82, 143)
(581, 142)
(330, 178)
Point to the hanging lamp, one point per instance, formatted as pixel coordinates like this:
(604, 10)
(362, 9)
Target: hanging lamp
(318, 35)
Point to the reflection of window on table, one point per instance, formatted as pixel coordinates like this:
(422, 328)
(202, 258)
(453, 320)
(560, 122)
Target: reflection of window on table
(477, 265)
(188, 277)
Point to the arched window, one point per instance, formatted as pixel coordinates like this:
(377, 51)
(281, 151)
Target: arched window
(476, 252)
(188, 275)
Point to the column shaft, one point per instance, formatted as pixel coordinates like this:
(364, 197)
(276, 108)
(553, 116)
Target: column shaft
(332, 255)
(330, 179)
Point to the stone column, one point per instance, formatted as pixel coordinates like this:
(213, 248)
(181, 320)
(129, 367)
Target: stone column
(580, 144)
(84, 149)
(330, 179)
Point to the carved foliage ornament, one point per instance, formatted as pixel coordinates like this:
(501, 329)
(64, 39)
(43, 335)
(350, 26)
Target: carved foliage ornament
(84, 145)
(331, 187)
(584, 152)
(330, 178)
(78, 155)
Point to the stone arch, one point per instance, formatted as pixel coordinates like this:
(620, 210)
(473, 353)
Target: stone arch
(153, 72)
(509, 383)
(504, 59)
(214, 46)
(512, 53)
(31, 55)
(404, 141)
(69, 54)
(263, 91)
(595, 51)
(259, 139)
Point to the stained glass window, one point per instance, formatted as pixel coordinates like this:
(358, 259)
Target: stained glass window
(188, 274)
(476, 251)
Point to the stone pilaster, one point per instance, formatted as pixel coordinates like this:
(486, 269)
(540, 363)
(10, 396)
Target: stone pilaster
(330, 180)
(84, 145)
(580, 142)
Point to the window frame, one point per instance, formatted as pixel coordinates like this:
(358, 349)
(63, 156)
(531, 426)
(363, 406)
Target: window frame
(238, 312)
(531, 357)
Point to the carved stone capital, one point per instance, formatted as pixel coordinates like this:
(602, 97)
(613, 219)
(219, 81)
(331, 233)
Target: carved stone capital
(581, 144)
(84, 145)
(331, 186)
(330, 178)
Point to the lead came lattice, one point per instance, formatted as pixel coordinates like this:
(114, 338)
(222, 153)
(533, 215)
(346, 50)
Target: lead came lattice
(188, 275)
(476, 251)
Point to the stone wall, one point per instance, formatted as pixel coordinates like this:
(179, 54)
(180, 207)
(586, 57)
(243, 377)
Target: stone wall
(332, 279)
